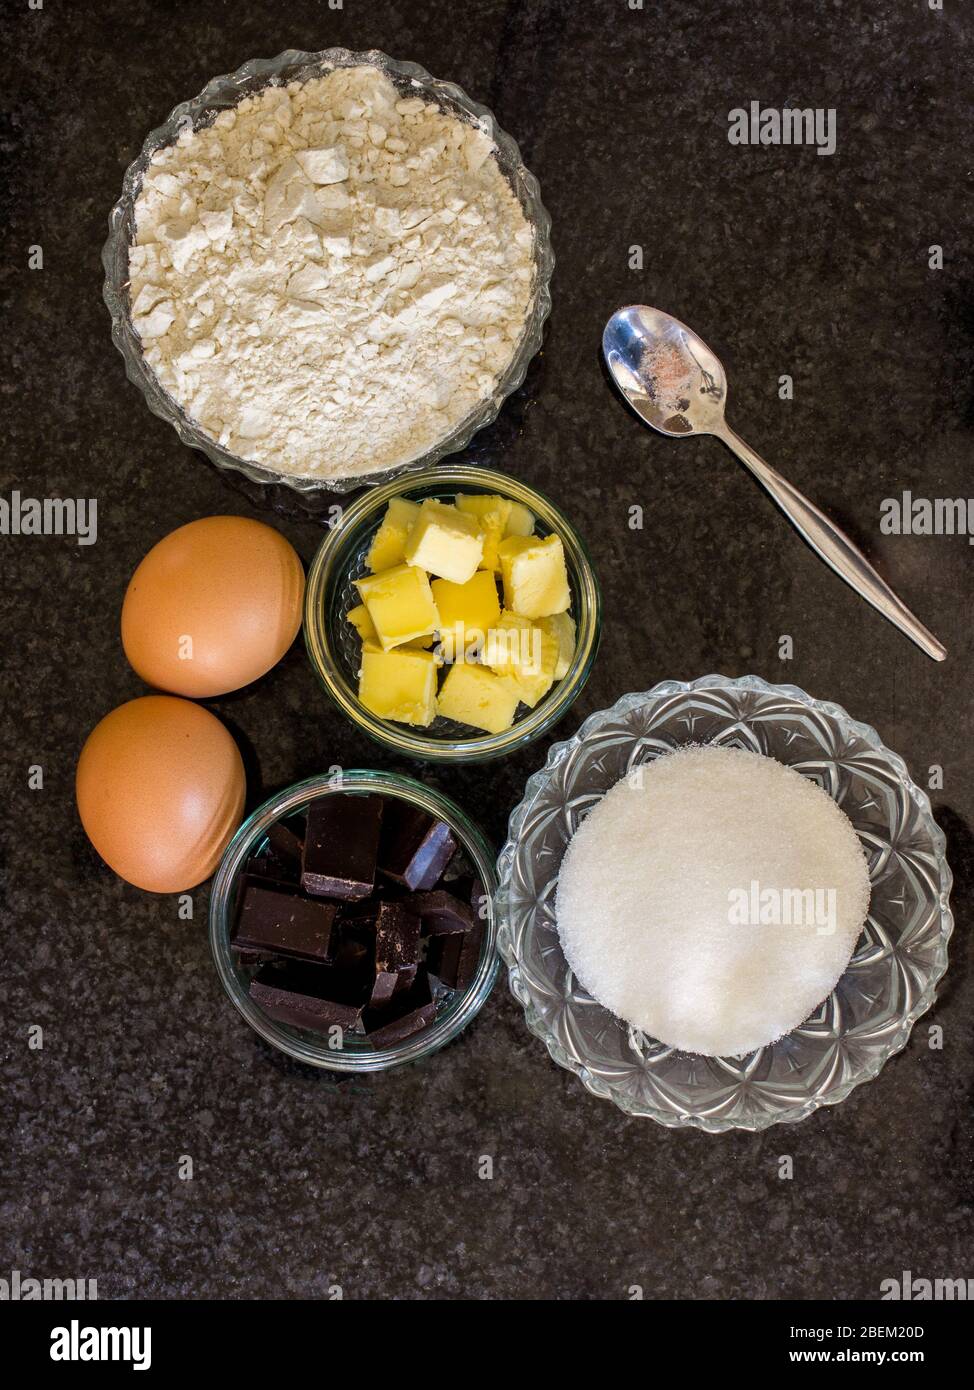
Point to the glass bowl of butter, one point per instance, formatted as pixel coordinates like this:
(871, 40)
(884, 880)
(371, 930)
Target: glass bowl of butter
(453, 615)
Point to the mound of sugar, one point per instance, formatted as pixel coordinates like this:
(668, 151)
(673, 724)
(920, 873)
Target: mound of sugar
(712, 899)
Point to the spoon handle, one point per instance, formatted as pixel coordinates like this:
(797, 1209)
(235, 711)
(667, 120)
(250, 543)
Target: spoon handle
(834, 546)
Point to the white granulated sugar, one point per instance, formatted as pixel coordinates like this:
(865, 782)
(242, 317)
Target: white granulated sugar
(675, 893)
(330, 277)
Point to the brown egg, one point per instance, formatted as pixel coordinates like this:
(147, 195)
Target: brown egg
(213, 606)
(160, 788)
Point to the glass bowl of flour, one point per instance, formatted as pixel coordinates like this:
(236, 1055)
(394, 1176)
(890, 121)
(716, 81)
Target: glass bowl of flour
(328, 269)
(889, 982)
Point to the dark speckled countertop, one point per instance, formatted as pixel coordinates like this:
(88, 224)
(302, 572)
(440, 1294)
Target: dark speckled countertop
(788, 263)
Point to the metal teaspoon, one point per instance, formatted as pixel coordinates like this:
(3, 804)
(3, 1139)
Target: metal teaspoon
(675, 383)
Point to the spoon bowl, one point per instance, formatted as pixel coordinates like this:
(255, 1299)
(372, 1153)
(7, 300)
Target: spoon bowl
(668, 375)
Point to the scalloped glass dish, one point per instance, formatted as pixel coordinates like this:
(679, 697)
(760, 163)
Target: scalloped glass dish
(226, 91)
(890, 981)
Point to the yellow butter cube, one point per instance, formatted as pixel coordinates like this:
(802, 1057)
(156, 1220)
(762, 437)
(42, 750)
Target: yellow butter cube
(535, 576)
(362, 623)
(561, 626)
(513, 644)
(492, 513)
(520, 521)
(400, 603)
(523, 654)
(473, 695)
(467, 612)
(364, 626)
(445, 542)
(399, 684)
(389, 542)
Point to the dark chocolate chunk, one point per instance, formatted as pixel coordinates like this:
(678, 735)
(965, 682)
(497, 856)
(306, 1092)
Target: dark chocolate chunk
(285, 843)
(406, 977)
(415, 848)
(248, 958)
(440, 912)
(353, 951)
(443, 956)
(471, 888)
(409, 1012)
(283, 923)
(383, 988)
(310, 996)
(268, 871)
(396, 951)
(355, 934)
(361, 913)
(453, 956)
(341, 845)
(469, 957)
(396, 937)
(387, 984)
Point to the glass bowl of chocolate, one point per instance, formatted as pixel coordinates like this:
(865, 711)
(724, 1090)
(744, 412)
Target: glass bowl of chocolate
(352, 921)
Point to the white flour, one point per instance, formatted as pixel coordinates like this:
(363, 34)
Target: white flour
(330, 277)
